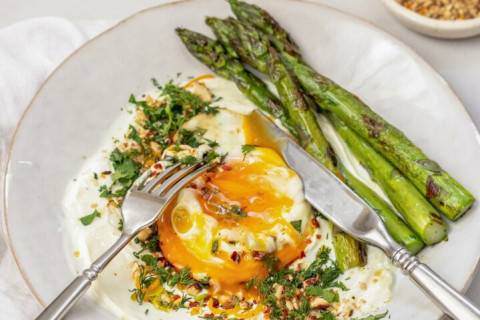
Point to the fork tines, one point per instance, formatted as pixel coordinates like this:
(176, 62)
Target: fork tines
(171, 180)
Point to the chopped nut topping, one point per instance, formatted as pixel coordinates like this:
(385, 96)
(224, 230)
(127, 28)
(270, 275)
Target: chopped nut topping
(194, 289)
(319, 303)
(144, 234)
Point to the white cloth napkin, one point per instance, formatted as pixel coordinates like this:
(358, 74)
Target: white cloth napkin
(29, 52)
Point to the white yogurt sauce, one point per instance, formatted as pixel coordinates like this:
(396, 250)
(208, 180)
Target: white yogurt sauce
(370, 287)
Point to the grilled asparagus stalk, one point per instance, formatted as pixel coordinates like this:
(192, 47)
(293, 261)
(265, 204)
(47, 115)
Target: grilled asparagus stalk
(346, 249)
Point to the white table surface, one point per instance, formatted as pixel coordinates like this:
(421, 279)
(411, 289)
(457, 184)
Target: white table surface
(458, 61)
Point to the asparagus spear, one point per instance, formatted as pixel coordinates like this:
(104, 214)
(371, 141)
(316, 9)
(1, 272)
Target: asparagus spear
(345, 248)
(414, 208)
(444, 192)
(263, 21)
(212, 54)
(252, 51)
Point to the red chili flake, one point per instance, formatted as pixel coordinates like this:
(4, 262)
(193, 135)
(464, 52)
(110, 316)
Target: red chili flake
(208, 315)
(315, 222)
(310, 281)
(226, 167)
(308, 241)
(302, 254)
(235, 257)
(257, 255)
(197, 286)
(192, 304)
(157, 166)
(193, 186)
(207, 298)
(215, 303)
(176, 297)
(319, 236)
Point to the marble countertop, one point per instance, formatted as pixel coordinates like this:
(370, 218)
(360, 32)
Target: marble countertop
(458, 61)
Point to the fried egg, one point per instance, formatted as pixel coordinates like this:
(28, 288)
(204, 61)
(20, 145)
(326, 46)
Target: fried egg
(228, 219)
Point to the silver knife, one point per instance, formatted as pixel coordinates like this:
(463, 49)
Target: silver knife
(343, 207)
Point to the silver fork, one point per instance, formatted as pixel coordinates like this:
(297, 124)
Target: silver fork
(142, 206)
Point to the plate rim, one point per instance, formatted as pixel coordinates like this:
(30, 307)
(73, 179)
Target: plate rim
(11, 143)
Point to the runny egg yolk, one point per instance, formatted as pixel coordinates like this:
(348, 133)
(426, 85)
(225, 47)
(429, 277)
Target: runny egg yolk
(226, 221)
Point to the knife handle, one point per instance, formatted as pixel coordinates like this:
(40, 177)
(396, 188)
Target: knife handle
(444, 295)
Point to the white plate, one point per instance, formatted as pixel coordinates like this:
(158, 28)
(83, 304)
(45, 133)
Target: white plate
(69, 116)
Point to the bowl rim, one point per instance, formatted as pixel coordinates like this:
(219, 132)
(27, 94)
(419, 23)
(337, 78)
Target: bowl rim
(440, 25)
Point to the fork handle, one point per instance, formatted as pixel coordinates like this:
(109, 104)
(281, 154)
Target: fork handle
(445, 296)
(59, 307)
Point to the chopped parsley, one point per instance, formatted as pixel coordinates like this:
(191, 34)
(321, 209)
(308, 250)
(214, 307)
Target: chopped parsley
(189, 160)
(88, 219)
(120, 224)
(212, 143)
(327, 294)
(271, 262)
(134, 134)
(215, 246)
(247, 148)
(236, 211)
(155, 82)
(297, 225)
(193, 138)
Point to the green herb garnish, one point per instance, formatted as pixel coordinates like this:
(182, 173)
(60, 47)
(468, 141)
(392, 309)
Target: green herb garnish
(247, 148)
(88, 219)
(215, 246)
(297, 225)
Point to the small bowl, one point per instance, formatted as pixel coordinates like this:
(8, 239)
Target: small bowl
(433, 27)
